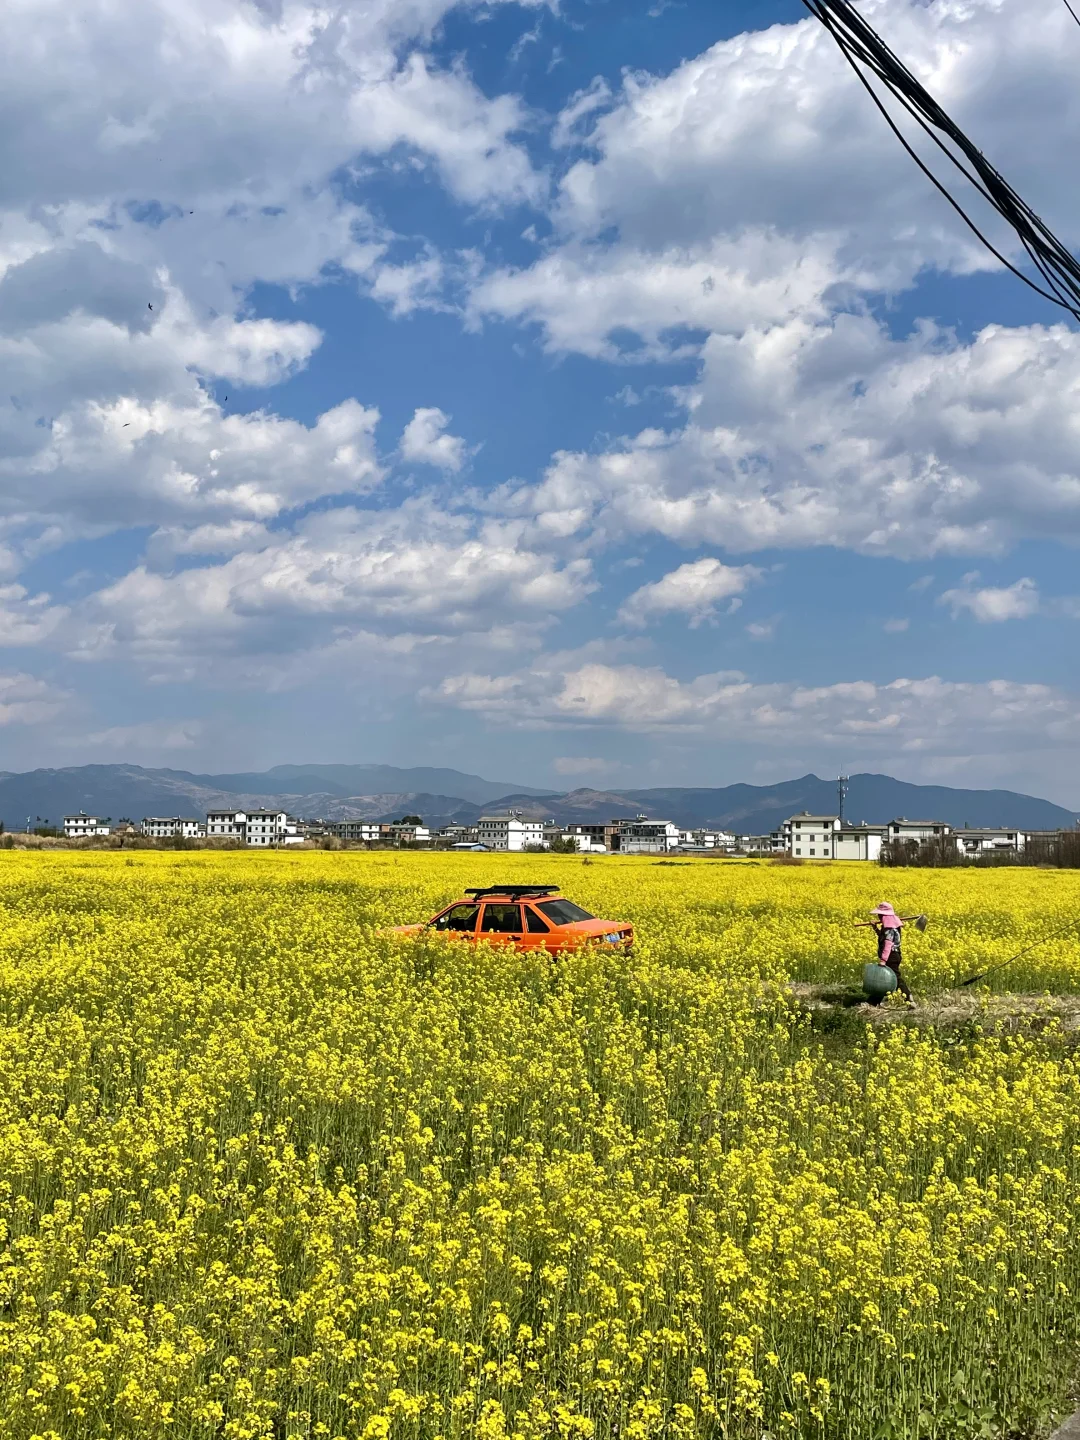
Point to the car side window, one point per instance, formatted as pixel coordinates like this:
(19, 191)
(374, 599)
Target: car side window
(458, 917)
(501, 920)
(534, 922)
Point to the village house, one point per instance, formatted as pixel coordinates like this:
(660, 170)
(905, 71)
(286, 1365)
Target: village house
(917, 830)
(988, 841)
(250, 827)
(509, 832)
(77, 827)
(158, 827)
(809, 835)
(368, 832)
(643, 836)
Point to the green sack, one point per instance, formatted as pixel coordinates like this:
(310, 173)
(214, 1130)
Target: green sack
(878, 979)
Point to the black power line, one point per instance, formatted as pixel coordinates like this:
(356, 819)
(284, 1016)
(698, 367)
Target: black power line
(865, 51)
(1071, 11)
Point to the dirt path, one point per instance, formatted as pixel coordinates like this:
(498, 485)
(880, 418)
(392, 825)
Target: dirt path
(1070, 1430)
(948, 1010)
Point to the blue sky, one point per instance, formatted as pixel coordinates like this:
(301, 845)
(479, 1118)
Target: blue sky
(582, 393)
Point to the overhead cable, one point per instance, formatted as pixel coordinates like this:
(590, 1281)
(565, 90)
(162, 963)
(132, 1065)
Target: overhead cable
(868, 55)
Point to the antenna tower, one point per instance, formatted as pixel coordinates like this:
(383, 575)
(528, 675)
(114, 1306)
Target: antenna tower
(841, 790)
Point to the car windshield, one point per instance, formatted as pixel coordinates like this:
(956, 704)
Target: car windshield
(563, 912)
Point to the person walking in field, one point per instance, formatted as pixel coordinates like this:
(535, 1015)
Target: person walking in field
(887, 926)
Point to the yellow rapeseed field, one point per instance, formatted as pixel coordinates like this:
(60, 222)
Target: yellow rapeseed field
(265, 1172)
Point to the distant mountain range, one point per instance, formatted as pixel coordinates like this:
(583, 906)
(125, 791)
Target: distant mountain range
(442, 796)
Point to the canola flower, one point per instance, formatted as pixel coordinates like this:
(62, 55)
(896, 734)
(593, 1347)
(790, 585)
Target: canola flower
(266, 1172)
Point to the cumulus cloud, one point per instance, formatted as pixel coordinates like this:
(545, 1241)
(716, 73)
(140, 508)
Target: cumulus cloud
(772, 128)
(426, 441)
(26, 700)
(693, 590)
(835, 434)
(904, 716)
(125, 461)
(166, 158)
(195, 102)
(757, 178)
(586, 298)
(415, 571)
(992, 604)
(27, 619)
(741, 207)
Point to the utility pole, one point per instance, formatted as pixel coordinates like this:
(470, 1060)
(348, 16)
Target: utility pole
(841, 790)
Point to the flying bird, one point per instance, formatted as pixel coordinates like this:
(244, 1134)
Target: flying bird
(149, 306)
(125, 425)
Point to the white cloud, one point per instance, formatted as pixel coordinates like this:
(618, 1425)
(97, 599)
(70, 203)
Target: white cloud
(835, 434)
(25, 700)
(903, 717)
(757, 178)
(762, 629)
(896, 627)
(27, 619)
(596, 96)
(753, 196)
(125, 461)
(575, 765)
(694, 590)
(991, 604)
(586, 298)
(411, 572)
(192, 102)
(426, 441)
(772, 128)
(165, 157)
(148, 735)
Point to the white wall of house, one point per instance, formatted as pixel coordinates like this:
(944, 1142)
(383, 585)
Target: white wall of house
(983, 842)
(902, 829)
(509, 832)
(365, 830)
(159, 827)
(648, 837)
(265, 827)
(862, 842)
(77, 827)
(226, 824)
(811, 837)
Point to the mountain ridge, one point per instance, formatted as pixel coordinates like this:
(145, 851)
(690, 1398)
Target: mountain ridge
(134, 791)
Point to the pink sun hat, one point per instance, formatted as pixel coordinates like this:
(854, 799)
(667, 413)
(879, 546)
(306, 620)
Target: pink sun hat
(886, 911)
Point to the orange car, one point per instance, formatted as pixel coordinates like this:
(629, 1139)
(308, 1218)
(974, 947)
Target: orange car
(529, 917)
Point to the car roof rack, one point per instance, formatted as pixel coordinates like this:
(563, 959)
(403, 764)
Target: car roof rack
(517, 891)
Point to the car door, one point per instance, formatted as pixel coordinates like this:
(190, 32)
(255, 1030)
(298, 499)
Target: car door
(459, 922)
(500, 923)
